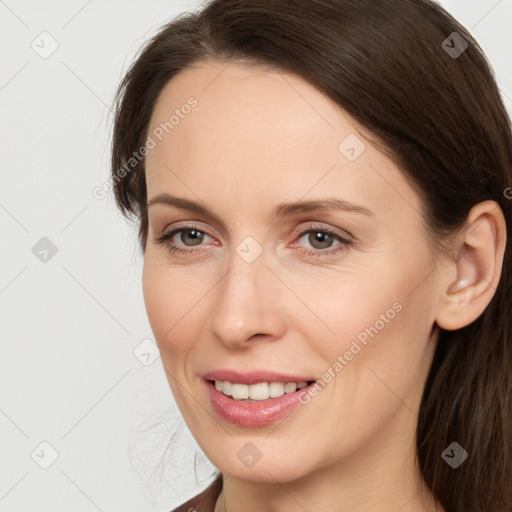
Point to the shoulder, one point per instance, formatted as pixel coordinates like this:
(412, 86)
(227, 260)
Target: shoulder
(204, 501)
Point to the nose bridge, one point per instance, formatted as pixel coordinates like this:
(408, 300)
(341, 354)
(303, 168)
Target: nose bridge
(246, 299)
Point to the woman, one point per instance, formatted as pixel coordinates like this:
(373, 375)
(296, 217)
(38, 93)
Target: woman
(340, 338)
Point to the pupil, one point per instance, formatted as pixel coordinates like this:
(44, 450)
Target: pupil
(196, 236)
(323, 238)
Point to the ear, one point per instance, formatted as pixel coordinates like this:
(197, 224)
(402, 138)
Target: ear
(471, 278)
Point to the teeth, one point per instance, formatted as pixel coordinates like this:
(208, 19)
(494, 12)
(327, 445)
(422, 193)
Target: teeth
(239, 391)
(226, 387)
(276, 389)
(259, 391)
(291, 387)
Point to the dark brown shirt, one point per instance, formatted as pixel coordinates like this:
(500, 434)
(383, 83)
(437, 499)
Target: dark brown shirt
(204, 501)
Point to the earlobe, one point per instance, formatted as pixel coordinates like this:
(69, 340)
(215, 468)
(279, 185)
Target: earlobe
(477, 266)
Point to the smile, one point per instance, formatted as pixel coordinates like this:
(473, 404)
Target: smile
(262, 410)
(259, 391)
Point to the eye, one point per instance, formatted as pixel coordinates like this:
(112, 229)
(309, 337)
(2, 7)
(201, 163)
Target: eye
(182, 239)
(190, 236)
(321, 240)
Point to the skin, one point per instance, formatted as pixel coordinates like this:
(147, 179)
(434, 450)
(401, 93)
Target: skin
(258, 138)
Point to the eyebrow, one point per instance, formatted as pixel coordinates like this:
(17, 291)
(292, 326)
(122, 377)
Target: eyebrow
(279, 211)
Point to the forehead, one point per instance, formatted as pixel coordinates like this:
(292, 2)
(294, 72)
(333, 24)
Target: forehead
(248, 104)
(254, 130)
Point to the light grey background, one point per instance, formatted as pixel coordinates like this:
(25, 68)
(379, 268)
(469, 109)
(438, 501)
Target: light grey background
(78, 367)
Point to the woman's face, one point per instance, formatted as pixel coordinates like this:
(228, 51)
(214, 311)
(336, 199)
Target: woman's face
(343, 294)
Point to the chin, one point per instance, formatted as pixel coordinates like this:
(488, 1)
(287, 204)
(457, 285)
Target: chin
(247, 462)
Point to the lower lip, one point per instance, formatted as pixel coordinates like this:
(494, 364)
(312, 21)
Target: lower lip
(252, 414)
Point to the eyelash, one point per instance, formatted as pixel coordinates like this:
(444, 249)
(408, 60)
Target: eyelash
(172, 248)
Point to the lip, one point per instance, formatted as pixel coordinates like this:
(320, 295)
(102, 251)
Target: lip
(252, 414)
(254, 376)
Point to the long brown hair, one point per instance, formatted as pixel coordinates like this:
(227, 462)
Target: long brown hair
(429, 98)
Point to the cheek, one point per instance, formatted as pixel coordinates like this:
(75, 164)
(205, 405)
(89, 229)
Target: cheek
(357, 303)
(383, 354)
(156, 299)
(178, 301)
(380, 320)
(167, 304)
(380, 357)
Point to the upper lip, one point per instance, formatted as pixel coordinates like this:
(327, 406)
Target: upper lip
(254, 376)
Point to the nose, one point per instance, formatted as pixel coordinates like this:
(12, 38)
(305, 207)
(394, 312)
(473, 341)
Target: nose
(248, 304)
